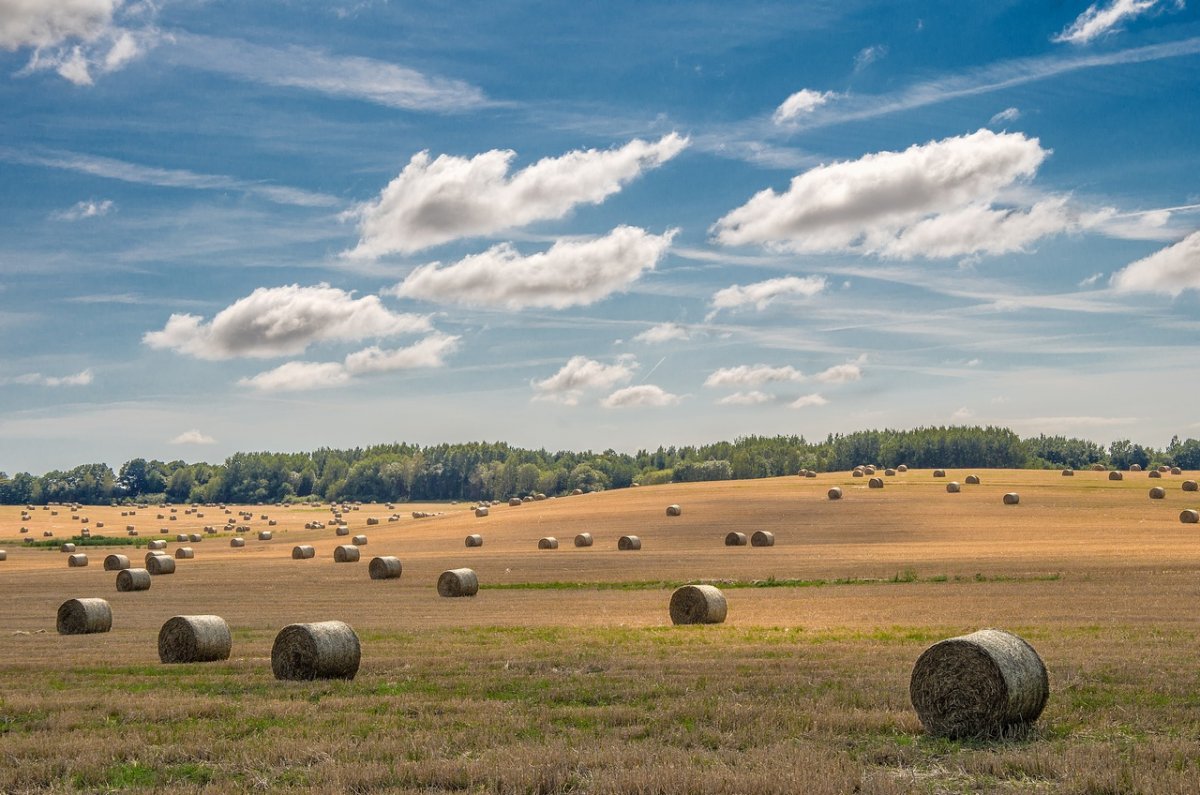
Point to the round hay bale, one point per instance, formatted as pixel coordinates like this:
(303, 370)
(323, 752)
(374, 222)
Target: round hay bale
(549, 542)
(1135, 467)
(736, 539)
(1189, 516)
(674, 510)
(342, 530)
(195, 538)
(264, 535)
(902, 468)
(1154, 473)
(1115, 475)
(1158, 493)
(1012, 498)
(158, 543)
(3, 554)
(953, 488)
(84, 617)
(481, 512)
(303, 552)
(889, 472)
(474, 540)
(810, 474)
(237, 541)
(133, 580)
(324, 650)
(1098, 467)
(584, 540)
(160, 564)
(939, 473)
(875, 483)
(185, 553)
(77, 561)
(629, 543)
(386, 567)
(359, 541)
(978, 685)
(972, 480)
(698, 604)
(1068, 473)
(1190, 485)
(457, 582)
(762, 538)
(67, 548)
(869, 470)
(835, 493)
(858, 473)
(514, 501)
(153, 554)
(1174, 471)
(181, 538)
(346, 553)
(192, 639)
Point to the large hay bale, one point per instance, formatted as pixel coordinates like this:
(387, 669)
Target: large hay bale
(474, 540)
(181, 538)
(153, 554)
(549, 542)
(1154, 473)
(1012, 498)
(342, 530)
(185, 553)
(195, 538)
(192, 639)
(1190, 485)
(875, 483)
(133, 580)
(736, 539)
(161, 564)
(457, 582)
(303, 552)
(584, 540)
(978, 685)
(629, 543)
(514, 501)
(674, 510)
(371, 520)
(902, 468)
(359, 541)
(972, 480)
(698, 604)
(324, 650)
(385, 567)
(1098, 467)
(1158, 493)
(1135, 467)
(869, 470)
(835, 493)
(1068, 473)
(939, 473)
(481, 512)
(1176, 471)
(953, 488)
(762, 538)
(77, 561)
(3, 554)
(264, 535)
(84, 617)
(346, 553)
(858, 473)
(237, 541)
(810, 474)
(1115, 475)
(889, 472)
(1189, 516)
(67, 548)
(158, 543)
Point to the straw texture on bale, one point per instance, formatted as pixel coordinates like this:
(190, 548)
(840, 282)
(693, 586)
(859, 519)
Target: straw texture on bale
(474, 540)
(889, 472)
(182, 538)
(875, 483)
(84, 617)
(1114, 475)
(902, 468)
(549, 542)
(835, 493)
(1068, 473)
(674, 510)
(698, 604)
(324, 650)
(346, 553)
(3, 554)
(858, 473)
(237, 541)
(939, 473)
(1012, 498)
(1189, 516)
(1190, 485)
(629, 543)
(133, 580)
(386, 567)
(870, 470)
(342, 530)
(1158, 493)
(978, 685)
(1176, 471)
(972, 480)
(303, 552)
(457, 582)
(195, 538)
(78, 560)
(1135, 467)
(264, 535)
(68, 548)
(584, 540)
(192, 639)
(1154, 473)
(514, 501)
(735, 539)
(185, 553)
(157, 544)
(481, 512)
(953, 487)
(359, 541)
(762, 538)
(161, 564)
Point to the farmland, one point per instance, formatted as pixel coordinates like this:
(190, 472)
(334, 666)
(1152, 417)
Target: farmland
(564, 673)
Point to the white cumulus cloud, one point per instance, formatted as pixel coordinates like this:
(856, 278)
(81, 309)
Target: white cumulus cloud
(641, 396)
(751, 398)
(663, 332)
(842, 373)
(808, 401)
(1099, 20)
(1170, 270)
(193, 436)
(751, 375)
(283, 321)
(304, 376)
(436, 200)
(75, 37)
(570, 273)
(803, 101)
(85, 209)
(580, 374)
(763, 294)
(935, 199)
(82, 378)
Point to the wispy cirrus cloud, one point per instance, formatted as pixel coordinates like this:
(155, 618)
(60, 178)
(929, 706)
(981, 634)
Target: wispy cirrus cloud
(90, 208)
(803, 101)
(1005, 116)
(869, 55)
(1101, 20)
(82, 378)
(751, 398)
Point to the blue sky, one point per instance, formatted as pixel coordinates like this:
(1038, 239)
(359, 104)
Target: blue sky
(282, 225)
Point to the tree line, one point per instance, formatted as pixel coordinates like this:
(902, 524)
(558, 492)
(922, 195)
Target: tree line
(495, 470)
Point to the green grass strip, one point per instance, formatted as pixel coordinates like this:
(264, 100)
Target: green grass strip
(769, 582)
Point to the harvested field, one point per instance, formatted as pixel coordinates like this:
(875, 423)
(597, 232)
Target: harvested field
(513, 690)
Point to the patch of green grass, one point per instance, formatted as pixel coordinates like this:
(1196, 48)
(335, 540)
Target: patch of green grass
(902, 577)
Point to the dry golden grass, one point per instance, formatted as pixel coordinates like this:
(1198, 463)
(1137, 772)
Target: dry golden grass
(565, 675)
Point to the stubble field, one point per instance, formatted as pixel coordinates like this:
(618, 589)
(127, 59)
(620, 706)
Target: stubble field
(565, 675)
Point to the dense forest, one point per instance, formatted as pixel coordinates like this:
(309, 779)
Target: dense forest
(483, 470)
